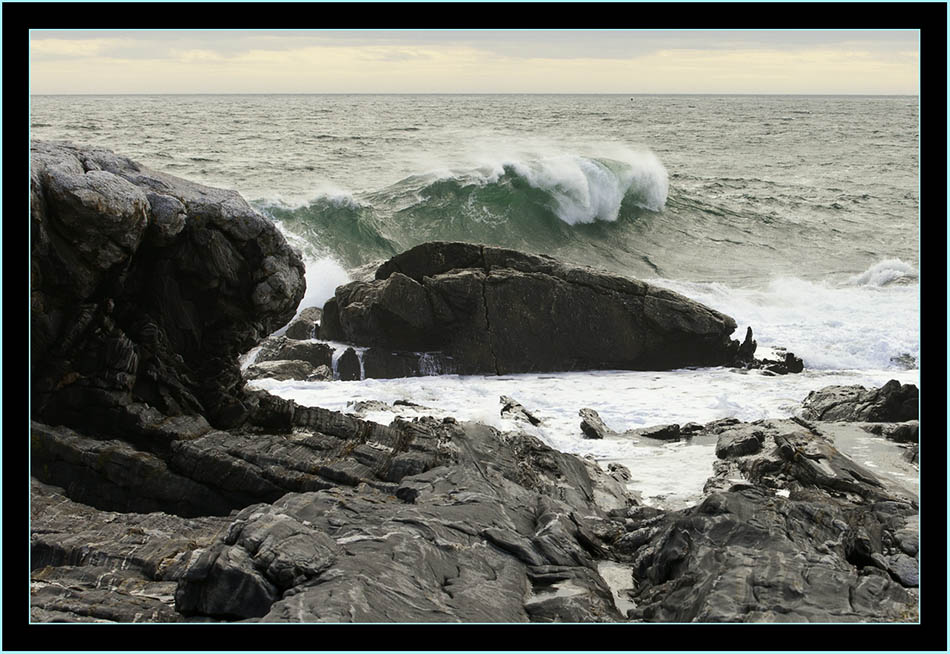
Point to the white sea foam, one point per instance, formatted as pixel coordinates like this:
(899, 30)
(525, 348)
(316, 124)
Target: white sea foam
(323, 191)
(323, 272)
(884, 273)
(667, 474)
(832, 327)
(323, 276)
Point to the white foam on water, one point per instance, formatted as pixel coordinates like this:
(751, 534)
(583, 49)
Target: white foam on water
(323, 276)
(323, 190)
(666, 474)
(830, 326)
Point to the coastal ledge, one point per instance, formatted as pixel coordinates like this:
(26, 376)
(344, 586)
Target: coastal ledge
(425, 520)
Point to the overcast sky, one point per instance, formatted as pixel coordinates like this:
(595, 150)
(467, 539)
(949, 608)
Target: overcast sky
(553, 61)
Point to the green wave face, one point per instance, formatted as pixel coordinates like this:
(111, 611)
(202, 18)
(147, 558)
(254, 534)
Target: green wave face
(580, 209)
(342, 228)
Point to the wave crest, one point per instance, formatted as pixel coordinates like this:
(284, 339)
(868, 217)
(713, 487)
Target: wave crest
(586, 189)
(883, 273)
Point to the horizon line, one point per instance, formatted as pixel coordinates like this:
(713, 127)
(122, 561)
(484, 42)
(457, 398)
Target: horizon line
(482, 93)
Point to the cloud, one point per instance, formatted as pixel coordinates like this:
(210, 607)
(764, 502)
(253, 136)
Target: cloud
(61, 48)
(481, 62)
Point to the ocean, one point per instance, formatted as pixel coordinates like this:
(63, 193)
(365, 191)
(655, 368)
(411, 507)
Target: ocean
(796, 215)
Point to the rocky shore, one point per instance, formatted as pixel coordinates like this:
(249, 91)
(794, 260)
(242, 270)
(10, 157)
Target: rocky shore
(165, 490)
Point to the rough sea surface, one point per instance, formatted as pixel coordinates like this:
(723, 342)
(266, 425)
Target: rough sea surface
(797, 215)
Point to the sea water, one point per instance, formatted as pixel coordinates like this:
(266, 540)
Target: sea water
(795, 215)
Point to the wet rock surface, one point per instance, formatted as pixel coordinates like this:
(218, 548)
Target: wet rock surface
(306, 325)
(145, 288)
(791, 530)
(98, 566)
(484, 307)
(893, 402)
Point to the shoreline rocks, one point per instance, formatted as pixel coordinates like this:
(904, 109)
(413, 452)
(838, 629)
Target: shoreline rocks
(164, 490)
(893, 402)
(474, 525)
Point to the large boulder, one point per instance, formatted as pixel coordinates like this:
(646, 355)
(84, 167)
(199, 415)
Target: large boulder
(491, 310)
(146, 288)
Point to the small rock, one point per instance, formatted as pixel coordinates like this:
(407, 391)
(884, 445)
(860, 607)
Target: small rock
(321, 373)
(280, 370)
(739, 441)
(592, 426)
(905, 361)
(513, 409)
(369, 405)
(348, 366)
(659, 432)
(305, 325)
(907, 432)
(905, 570)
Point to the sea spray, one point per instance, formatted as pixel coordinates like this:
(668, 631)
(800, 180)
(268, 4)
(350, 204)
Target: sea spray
(830, 325)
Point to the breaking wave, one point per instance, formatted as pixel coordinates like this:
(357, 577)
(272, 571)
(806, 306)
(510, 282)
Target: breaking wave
(540, 204)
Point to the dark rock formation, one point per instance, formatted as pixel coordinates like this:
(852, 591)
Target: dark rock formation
(280, 370)
(739, 441)
(511, 408)
(305, 325)
(900, 432)
(808, 536)
(892, 402)
(382, 363)
(787, 363)
(145, 288)
(499, 311)
(471, 524)
(93, 566)
(284, 358)
(280, 348)
(592, 426)
(349, 367)
(480, 538)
